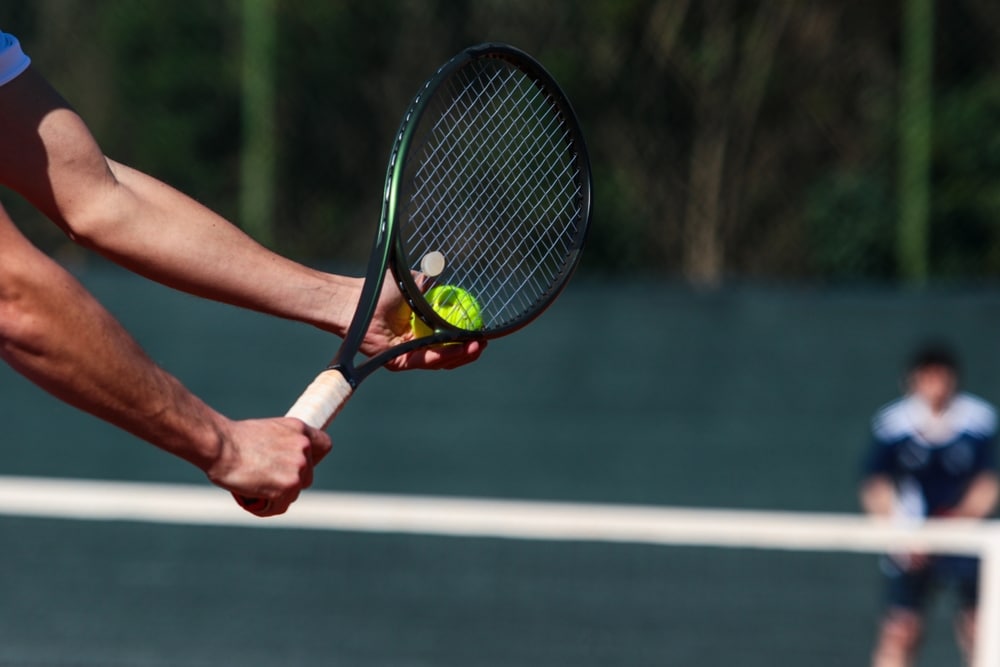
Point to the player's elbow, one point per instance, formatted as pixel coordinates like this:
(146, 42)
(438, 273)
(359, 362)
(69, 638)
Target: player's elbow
(32, 287)
(96, 218)
(90, 225)
(21, 321)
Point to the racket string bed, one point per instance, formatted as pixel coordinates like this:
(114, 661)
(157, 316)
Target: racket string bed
(488, 173)
(421, 195)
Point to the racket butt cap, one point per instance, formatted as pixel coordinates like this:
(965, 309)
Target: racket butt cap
(432, 264)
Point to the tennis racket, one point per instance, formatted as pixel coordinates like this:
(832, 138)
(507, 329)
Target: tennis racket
(488, 189)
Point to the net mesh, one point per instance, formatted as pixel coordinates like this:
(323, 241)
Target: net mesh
(494, 182)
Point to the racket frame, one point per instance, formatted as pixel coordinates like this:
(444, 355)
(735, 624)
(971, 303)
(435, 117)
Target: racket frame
(331, 389)
(388, 255)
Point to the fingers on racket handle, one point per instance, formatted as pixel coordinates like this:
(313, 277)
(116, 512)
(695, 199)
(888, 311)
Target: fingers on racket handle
(322, 400)
(317, 406)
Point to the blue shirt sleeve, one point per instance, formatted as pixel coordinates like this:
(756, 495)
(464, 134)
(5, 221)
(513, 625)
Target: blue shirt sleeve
(987, 455)
(13, 61)
(879, 459)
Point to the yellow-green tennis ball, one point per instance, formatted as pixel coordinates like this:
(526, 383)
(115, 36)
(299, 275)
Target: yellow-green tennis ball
(454, 305)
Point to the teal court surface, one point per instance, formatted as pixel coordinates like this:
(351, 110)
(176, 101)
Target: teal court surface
(745, 399)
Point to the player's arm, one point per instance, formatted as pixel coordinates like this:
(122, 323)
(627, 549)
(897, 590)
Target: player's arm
(878, 496)
(155, 230)
(54, 333)
(980, 499)
(144, 224)
(877, 491)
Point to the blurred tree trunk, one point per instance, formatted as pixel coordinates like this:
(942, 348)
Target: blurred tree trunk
(709, 70)
(258, 166)
(704, 251)
(728, 72)
(915, 127)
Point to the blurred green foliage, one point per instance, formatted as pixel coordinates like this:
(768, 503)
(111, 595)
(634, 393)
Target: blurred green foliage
(730, 139)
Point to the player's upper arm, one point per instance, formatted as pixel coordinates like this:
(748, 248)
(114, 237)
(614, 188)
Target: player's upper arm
(50, 156)
(981, 424)
(888, 427)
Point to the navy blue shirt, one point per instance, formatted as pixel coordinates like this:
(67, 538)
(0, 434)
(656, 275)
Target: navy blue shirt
(932, 459)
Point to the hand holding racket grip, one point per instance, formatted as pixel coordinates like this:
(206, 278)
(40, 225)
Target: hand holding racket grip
(317, 406)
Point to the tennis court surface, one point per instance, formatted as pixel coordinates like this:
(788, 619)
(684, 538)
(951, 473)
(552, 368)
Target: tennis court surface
(760, 401)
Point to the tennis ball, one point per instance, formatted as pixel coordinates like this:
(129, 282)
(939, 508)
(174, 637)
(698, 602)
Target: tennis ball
(454, 305)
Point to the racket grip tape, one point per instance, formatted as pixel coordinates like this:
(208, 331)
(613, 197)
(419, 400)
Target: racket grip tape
(317, 406)
(322, 400)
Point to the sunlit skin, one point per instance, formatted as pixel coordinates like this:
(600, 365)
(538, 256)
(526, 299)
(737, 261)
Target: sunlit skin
(57, 335)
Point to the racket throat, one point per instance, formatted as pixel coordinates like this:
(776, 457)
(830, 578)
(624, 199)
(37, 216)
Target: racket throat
(346, 369)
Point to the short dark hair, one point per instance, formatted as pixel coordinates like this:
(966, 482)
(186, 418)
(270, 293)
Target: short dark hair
(934, 353)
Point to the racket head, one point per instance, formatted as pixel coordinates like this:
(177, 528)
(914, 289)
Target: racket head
(489, 169)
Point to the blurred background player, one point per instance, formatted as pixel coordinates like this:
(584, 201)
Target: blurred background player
(931, 456)
(55, 333)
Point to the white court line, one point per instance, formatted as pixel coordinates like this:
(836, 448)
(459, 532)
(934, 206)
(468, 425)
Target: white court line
(476, 517)
(472, 517)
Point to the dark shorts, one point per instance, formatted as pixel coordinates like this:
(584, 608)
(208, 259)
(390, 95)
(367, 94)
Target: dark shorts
(913, 589)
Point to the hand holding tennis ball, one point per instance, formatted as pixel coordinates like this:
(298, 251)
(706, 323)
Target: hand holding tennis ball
(454, 305)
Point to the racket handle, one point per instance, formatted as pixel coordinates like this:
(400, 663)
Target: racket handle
(323, 399)
(317, 406)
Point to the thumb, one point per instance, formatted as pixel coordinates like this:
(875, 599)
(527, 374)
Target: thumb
(320, 443)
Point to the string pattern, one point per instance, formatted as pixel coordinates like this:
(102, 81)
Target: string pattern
(493, 181)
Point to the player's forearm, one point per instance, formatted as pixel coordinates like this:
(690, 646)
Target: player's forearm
(165, 235)
(56, 335)
(878, 496)
(980, 501)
